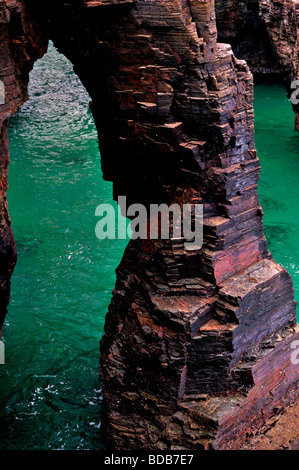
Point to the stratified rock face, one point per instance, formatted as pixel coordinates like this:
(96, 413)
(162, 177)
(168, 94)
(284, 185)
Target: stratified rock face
(197, 346)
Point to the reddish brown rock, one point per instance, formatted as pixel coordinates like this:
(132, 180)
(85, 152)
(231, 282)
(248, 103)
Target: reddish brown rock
(197, 346)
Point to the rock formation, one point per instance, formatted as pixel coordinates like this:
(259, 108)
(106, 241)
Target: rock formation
(197, 346)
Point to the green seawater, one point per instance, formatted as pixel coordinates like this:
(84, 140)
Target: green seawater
(277, 143)
(50, 395)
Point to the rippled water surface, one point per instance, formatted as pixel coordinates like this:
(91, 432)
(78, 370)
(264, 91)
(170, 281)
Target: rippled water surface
(49, 389)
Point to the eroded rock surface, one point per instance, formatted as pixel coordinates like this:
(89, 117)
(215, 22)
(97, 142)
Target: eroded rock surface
(197, 346)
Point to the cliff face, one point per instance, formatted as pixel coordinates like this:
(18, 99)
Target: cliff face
(265, 34)
(197, 344)
(240, 24)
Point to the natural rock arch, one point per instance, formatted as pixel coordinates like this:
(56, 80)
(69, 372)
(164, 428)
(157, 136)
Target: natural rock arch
(265, 34)
(190, 337)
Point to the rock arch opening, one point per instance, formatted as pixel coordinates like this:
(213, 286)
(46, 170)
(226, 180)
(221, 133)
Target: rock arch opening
(255, 36)
(62, 283)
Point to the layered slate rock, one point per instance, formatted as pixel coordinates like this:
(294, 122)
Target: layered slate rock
(197, 346)
(265, 34)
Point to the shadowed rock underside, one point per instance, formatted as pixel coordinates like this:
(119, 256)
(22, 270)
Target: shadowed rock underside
(197, 346)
